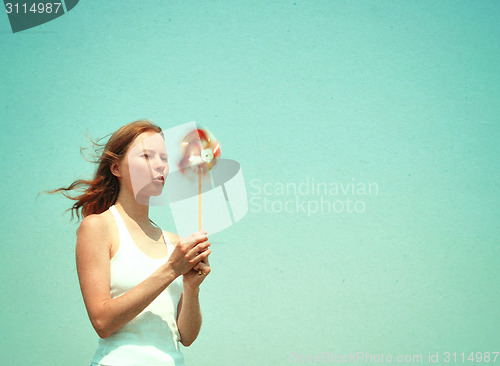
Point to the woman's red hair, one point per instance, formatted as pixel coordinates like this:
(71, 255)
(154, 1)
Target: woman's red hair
(101, 192)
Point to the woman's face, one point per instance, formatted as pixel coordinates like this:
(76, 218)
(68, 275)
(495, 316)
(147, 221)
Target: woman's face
(145, 166)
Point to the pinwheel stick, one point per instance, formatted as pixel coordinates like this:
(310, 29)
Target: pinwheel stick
(199, 203)
(199, 198)
(198, 150)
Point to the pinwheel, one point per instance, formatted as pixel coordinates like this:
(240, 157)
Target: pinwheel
(197, 173)
(199, 151)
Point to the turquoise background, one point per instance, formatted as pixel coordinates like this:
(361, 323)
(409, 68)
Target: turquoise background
(403, 94)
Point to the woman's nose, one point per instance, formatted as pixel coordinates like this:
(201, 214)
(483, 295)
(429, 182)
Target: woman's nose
(160, 165)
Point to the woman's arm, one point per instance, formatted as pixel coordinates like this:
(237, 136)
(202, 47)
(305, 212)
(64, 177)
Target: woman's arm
(189, 317)
(93, 265)
(188, 310)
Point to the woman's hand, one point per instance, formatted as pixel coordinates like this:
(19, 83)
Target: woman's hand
(193, 278)
(190, 252)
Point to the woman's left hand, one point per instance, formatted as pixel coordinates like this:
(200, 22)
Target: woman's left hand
(192, 279)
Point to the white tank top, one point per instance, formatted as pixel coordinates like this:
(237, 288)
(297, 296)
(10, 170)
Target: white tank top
(152, 337)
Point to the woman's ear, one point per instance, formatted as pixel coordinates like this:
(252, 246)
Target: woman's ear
(115, 169)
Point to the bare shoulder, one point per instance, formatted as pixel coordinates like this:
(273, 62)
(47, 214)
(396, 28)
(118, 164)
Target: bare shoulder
(94, 230)
(94, 224)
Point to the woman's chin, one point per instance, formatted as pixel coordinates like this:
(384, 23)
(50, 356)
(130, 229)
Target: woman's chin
(151, 190)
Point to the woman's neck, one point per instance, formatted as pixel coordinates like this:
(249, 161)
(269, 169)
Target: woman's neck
(137, 212)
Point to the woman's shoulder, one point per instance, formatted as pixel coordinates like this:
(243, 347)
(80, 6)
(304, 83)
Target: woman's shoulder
(96, 223)
(94, 236)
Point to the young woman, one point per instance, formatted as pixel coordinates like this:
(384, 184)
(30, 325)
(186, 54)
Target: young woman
(140, 284)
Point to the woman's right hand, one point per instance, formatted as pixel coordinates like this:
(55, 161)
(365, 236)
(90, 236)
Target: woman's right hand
(189, 252)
